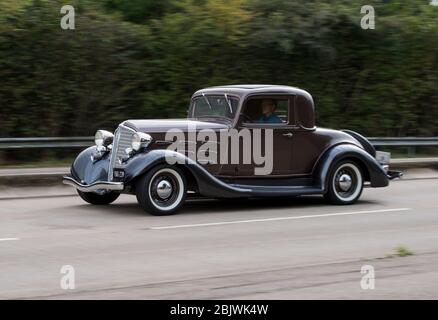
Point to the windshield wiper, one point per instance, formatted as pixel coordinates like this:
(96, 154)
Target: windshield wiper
(229, 104)
(208, 102)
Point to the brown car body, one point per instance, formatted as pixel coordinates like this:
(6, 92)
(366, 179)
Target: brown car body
(305, 157)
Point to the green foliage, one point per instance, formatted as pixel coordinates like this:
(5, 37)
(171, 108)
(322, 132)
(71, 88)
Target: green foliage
(402, 251)
(144, 58)
(139, 10)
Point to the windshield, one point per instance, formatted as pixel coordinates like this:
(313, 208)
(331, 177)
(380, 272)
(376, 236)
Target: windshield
(213, 106)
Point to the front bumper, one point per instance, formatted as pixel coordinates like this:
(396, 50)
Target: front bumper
(98, 185)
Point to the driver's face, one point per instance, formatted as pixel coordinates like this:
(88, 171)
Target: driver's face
(267, 107)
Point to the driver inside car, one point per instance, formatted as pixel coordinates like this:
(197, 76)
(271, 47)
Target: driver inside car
(268, 110)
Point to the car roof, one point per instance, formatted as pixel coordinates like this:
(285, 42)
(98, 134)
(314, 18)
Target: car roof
(242, 90)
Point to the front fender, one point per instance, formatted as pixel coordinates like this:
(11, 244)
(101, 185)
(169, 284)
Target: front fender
(377, 175)
(87, 171)
(208, 184)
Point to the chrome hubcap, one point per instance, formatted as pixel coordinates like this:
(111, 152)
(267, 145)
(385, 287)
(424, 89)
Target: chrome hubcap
(345, 182)
(164, 189)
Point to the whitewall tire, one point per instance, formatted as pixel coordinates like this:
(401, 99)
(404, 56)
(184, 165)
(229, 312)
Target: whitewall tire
(345, 183)
(162, 190)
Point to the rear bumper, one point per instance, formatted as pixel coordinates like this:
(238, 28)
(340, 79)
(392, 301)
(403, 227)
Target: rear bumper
(384, 159)
(394, 174)
(98, 185)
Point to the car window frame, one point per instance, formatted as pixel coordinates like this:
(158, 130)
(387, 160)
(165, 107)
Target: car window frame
(291, 114)
(190, 110)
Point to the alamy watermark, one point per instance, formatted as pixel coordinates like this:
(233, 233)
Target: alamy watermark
(368, 21)
(68, 20)
(208, 146)
(68, 281)
(368, 281)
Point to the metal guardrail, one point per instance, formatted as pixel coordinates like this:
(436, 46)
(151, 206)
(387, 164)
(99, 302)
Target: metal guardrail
(77, 142)
(55, 142)
(404, 142)
(68, 142)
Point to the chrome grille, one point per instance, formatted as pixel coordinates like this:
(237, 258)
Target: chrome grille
(122, 140)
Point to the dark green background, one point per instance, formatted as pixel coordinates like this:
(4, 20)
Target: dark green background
(144, 59)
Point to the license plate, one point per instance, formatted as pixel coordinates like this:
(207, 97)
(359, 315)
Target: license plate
(383, 157)
(118, 173)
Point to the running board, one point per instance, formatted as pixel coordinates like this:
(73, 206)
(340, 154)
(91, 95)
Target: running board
(279, 191)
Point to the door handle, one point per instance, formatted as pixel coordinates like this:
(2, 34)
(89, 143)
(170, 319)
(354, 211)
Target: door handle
(288, 135)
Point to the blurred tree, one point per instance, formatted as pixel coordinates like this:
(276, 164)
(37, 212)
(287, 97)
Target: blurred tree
(57, 82)
(140, 10)
(147, 60)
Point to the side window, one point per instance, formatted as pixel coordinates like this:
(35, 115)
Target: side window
(282, 110)
(268, 110)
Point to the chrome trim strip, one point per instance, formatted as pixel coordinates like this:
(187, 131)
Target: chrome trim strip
(99, 185)
(113, 155)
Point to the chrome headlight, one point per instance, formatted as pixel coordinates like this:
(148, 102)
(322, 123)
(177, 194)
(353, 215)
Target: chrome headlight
(103, 138)
(140, 140)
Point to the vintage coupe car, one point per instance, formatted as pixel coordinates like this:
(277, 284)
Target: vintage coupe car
(305, 160)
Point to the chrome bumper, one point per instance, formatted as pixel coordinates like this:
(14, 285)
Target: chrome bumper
(394, 174)
(99, 185)
(384, 159)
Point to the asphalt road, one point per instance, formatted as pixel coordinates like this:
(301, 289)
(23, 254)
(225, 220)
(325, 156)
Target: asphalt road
(259, 249)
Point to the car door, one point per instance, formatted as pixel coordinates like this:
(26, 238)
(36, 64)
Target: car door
(276, 139)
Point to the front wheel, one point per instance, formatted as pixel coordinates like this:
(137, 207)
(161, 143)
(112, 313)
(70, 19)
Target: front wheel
(345, 183)
(99, 199)
(162, 191)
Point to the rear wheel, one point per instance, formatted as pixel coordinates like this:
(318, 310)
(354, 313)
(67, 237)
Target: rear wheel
(99, 198)
(162, 191)
(345, 183)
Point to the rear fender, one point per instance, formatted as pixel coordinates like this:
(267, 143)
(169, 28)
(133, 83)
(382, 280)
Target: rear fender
(366, 144)
(376, 173)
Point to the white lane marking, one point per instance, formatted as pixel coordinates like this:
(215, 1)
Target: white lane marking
(278, 219)
(9, 239)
